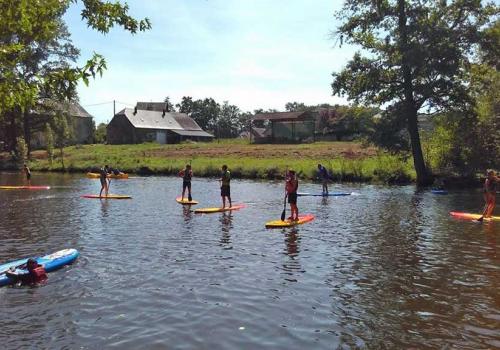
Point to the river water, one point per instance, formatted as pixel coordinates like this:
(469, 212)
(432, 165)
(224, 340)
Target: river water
(384, 268)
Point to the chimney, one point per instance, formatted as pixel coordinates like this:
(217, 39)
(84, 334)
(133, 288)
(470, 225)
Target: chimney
(163, 114)
(135, 110)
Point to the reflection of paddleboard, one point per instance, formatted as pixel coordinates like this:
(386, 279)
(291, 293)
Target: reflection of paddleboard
(469, 216)
(330, 194)
(287, 223)
(439, 191)
(51, 263)
(109, 196)
(219, 210)
(186, 201)
(24, 187)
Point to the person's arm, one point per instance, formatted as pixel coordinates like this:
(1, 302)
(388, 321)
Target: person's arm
(16, 276)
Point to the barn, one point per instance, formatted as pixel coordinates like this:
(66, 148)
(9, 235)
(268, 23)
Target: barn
(151, 122)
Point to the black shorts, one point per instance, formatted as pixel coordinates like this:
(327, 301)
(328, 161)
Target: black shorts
(28, 176)
(225, 191)
(186, 184)
(292, 198)
(103, 182)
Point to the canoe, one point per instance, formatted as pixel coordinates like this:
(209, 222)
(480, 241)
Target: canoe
(110, 176)
(109, 196)
(51, 263)
(185, 201)
(439, 191)
(24, 187)
(287, 223)
(329, 194)
(469, 216)
(219, 210)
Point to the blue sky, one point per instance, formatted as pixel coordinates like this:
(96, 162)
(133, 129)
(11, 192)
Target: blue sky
(252, 53)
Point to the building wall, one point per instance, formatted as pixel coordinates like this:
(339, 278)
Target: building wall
(120, 131)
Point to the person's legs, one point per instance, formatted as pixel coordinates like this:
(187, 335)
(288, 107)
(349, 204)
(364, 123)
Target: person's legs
(223, 201)
(190, 198)
(491, 205)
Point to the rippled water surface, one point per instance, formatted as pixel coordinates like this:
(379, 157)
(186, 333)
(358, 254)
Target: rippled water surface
(385, 268)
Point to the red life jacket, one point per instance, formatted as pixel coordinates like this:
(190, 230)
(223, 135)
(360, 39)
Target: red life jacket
(38, 274)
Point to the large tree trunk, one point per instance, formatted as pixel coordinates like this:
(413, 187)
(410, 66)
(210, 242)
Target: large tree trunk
(410, 109)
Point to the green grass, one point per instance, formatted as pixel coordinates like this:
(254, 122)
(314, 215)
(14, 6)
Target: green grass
(244, 160)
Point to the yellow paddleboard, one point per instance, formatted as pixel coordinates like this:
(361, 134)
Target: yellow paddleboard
(111, 176)
(288, 223)
(185, 201)
(109, 196)
(219, 210)
(24, 187)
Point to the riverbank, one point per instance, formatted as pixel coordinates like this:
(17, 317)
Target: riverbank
(347, 161)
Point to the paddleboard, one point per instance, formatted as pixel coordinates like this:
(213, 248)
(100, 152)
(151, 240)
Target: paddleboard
(330, 194)
(469, 216)
(186, 201)
(24, 187)
(287, 223)
(439, 191)
(109, 196)
(219, 210)
(111, 176)
(51, 263)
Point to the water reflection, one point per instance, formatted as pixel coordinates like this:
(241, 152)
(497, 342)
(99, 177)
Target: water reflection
(292, 248)
(226, 221)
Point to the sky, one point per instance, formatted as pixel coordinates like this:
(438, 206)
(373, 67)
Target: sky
(251, 53)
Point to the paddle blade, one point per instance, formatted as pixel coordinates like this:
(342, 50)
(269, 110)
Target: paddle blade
(190, 198)
(283, 214)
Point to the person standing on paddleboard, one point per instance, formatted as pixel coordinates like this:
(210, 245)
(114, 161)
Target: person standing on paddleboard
(324, 177)
(490, 192)
(225, 188)
(187, 175)
(36, 273)
(291, 187)
(103, 176)
(27, 172)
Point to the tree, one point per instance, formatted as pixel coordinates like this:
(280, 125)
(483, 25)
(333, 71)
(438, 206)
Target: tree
(100, 133)
(62, 133)
(170, 105)
(228, 125)
(418, 55)
(49, 137)
(36, 55)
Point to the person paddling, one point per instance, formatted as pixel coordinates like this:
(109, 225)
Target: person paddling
(225, 188)
(27, 172)
(323, 177)
(103, 176)
(187, 175)
(36, 273)
(291, 187)
(490, 191)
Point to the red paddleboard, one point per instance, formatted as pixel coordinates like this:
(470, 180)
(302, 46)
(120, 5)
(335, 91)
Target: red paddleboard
(469, 216)
(24, 187)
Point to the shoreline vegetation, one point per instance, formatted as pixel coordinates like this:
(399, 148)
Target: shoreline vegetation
(346, 161)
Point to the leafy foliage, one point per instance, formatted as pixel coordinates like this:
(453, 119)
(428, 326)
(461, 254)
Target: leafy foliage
(418, 55)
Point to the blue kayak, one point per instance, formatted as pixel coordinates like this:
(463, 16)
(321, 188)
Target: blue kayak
(50, 262)
(330, 194)
(439, 191)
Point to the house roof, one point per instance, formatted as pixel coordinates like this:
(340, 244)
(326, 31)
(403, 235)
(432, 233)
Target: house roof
(148, 119)
(283, 116)
(152, 106)
(72, 108)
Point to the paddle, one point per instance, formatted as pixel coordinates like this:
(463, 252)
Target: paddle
(283, 213)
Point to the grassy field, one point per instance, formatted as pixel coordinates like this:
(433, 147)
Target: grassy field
(348, 161)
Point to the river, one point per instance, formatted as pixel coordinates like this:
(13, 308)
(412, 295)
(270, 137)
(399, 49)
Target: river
(384, 268)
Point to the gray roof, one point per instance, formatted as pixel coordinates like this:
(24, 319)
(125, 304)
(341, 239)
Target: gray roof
(71, 108)
(152, 106)
(144, 119)
(283, 116)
